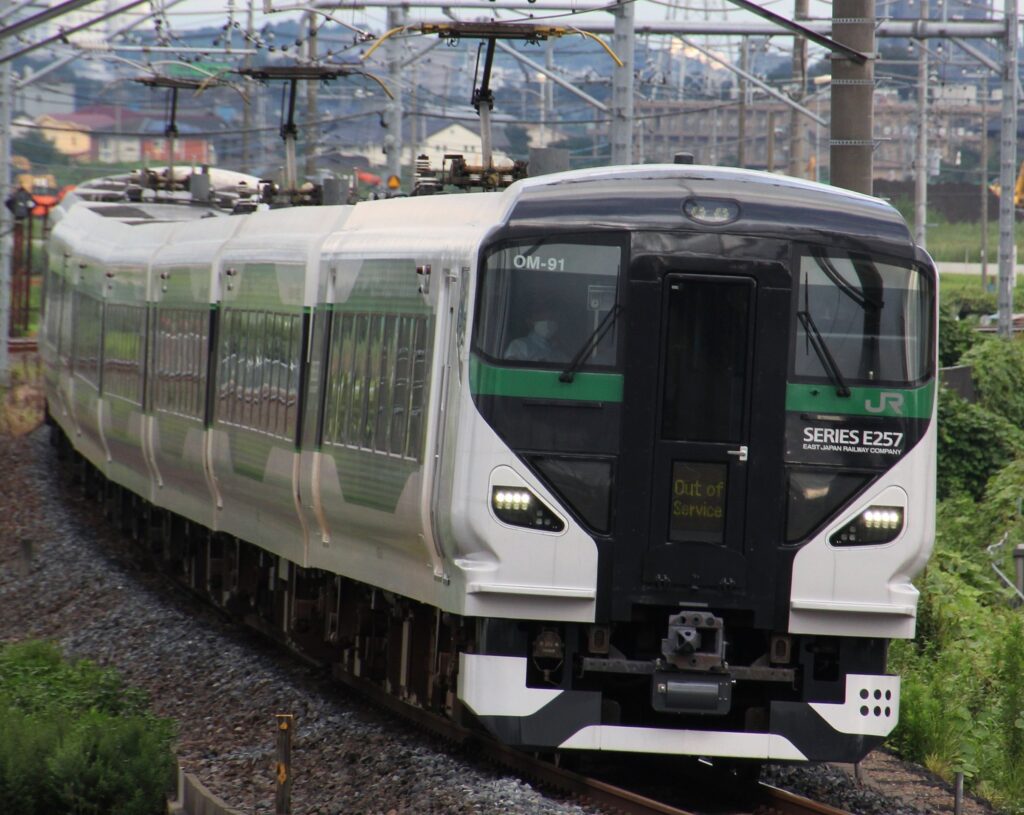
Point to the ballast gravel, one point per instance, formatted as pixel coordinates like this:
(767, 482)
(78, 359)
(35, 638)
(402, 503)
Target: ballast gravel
(223, 685)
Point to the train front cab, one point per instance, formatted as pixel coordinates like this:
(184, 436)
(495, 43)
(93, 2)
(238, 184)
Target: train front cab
(752, 452)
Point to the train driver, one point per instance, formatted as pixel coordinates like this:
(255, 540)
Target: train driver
(541, 344)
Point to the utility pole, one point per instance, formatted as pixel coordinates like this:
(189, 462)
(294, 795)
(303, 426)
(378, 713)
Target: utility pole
(548, 90)
(853, 84)
(6, 216)
(1007, 171)
(623, 43)
(247, 163)
(770, 160)
(921, 155)
(312, 130)
(984, 184)
(393, 114)
(797, 126)
(741, 142)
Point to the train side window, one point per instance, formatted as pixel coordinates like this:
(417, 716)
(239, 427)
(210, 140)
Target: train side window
(258, 371)
(55, 293)
(87, 334)
(375, 383)
(400, 393)
(420, 371)
(180, 337)
(67, 320)
(123, 349)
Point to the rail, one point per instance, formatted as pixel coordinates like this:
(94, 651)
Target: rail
(22, 345)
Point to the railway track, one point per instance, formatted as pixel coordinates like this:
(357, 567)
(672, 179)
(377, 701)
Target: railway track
(22, 345)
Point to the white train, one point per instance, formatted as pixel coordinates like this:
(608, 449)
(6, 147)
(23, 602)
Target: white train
(631, 459)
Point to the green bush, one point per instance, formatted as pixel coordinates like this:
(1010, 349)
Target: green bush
(955, 337)
(29, 739)
(76, 740)
(962, 705)
(998, 370)
(112, 766)
(973, 444)
(34, 676)
(1011, 712)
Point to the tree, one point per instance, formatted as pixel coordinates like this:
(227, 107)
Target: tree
(37, 148)
(518, 141)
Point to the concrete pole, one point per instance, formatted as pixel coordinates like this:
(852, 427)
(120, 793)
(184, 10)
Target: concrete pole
(852, 143)
(393, 114)
(1007, 173)
(312, 130)
(797, 126)
(741, 136)
(247, 162)
(984, 184)
(921, 152)
(623, 43)
(6, 218)
(548, 89)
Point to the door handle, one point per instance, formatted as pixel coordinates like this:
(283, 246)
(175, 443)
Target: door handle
(740, 454)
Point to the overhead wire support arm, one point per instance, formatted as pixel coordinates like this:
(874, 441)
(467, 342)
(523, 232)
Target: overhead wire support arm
(483, 97)
(754, 80)
(43, 16)
(173, 85)
(293, 74)
(63, 35)
(791, 25)
(483, 102)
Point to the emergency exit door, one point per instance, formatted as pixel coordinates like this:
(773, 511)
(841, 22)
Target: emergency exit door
(702, 445)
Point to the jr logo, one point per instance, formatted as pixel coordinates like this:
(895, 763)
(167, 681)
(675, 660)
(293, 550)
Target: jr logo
(886, 399)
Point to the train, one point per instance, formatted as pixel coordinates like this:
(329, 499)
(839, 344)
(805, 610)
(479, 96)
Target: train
(632, 459)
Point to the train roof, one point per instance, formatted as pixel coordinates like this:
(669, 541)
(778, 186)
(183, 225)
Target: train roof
(652, 196)
(629, 197)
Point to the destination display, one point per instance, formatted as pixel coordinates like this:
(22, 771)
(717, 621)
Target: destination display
(698, 502)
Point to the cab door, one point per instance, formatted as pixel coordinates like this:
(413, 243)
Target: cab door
(699, 473)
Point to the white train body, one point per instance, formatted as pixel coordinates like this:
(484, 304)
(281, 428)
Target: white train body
(326, 386)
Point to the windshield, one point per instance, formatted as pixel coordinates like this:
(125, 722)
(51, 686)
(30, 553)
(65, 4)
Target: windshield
(550, 303)
(861, 320)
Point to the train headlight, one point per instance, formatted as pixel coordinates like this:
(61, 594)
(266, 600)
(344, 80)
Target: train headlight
(876, 524)
(520, 507)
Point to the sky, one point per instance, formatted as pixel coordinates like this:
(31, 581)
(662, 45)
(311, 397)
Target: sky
(192, 13)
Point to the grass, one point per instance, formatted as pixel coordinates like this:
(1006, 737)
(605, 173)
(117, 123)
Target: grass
(22, 403)
(967, 287)
(958, 242)
(961, 243)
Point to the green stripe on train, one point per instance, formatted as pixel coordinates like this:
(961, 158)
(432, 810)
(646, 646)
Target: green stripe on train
(907, 403)
(490, 380)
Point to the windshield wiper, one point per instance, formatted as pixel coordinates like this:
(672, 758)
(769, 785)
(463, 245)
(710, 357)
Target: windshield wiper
(821, 349)
(860, 298)
(591, 343)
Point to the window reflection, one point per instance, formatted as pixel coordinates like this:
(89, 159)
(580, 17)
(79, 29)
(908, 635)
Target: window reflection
(874, 318)
(542, 302)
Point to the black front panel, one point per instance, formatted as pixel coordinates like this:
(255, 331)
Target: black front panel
(699, 484)
(700, 487)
